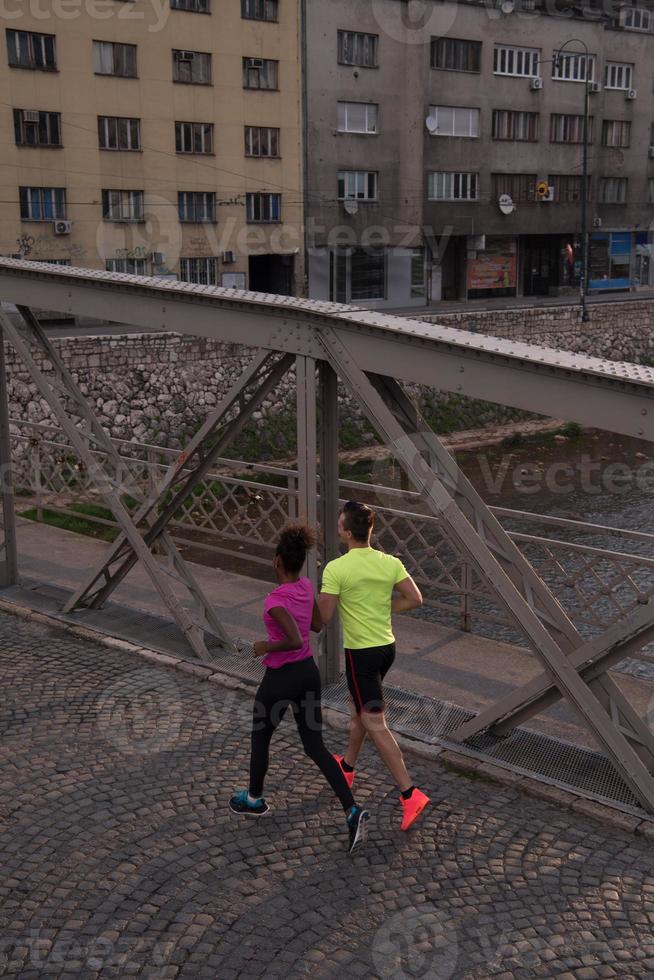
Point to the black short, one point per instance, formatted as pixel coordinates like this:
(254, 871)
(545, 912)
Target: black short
(365, 670)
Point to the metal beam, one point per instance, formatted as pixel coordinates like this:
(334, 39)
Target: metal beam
(195, 622)
(592, 659)
(247, 394)
(468, 542)
(617, 397)
(329, 504)
(8, 553)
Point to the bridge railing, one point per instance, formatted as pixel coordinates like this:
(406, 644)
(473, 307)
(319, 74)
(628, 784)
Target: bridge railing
(597, 573)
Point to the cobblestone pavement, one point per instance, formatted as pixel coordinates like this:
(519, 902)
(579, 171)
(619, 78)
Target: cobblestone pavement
(119, 857)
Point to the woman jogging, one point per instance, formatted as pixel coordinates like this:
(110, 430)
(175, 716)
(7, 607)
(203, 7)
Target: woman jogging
(292, 679)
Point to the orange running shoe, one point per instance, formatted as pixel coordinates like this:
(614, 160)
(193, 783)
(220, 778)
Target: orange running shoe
(413, 807)
(349, 776)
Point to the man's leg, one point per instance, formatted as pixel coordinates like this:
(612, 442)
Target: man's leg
(356, 738)
(374, 725)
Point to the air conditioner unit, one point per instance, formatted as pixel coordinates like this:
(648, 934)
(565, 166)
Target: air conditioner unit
(185, 55)
(597, 222)
(30, 115)
(631, 95)
(594, 87)
(157, 258)
(229, 258)
(62, 227)
(254, 62)
(651, 152)
(536, 84)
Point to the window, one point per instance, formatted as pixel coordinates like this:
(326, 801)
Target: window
(202, 271)
(650, 190)
(122, 205)
(261, 141)
(418, 285)
(357, 117)
(111, 58)
(567, 187)
(260, 73)
(34, 128)
(573, 67)
(27, 49)
(367, 274)
(260, 9)
(636, 19)
(445, 186)
(566, 128)
(616, 132)
(196, 206)
(191, 67)
(522, 62)
(357, 49)
(192, 137)
(135, 267)
(263, 207)
(119, 133)
(454, 121)
(613, 190)
(359, 185)
(510, 125)
(193, 6)
(618, 75)
(455, 54)
(42, 203)
(521, 188)
(357, 274)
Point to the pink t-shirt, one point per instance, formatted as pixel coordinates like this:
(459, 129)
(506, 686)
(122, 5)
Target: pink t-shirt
(297, 598)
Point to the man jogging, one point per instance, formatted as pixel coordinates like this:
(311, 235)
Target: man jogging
(361, 585)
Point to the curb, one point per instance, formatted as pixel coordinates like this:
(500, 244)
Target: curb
(337, 720)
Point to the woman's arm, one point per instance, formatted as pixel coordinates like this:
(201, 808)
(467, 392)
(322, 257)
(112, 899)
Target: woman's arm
(293, 639)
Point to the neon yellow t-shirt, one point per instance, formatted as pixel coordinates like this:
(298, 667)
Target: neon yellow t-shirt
(363, 580)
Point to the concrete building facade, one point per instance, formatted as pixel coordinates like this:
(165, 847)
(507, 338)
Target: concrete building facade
(155, 136)
(445, 152)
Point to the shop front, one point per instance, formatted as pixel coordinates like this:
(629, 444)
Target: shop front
(618, 260)
(493, 272)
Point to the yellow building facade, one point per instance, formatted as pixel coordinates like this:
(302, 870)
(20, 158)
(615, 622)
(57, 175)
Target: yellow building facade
(159, 137)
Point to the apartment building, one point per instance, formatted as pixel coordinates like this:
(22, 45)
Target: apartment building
(445, 156)
(155, 138)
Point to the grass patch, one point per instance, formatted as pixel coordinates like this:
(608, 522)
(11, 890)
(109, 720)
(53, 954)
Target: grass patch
(571, 429)
(77, 524)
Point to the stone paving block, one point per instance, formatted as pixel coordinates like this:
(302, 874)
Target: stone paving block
(120, 839)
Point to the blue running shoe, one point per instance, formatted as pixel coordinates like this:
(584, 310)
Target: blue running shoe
(240, 804)
(357, 825)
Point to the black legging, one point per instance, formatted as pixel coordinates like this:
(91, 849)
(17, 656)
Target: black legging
(298, 685)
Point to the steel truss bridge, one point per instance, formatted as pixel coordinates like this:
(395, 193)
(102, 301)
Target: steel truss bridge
(373, 355)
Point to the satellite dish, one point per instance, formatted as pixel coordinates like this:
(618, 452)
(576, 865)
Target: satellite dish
(351, 206)
(507, 6)
(506, 204)
(432, 124)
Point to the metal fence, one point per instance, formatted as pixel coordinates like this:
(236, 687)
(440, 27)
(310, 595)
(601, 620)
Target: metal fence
(597, 573)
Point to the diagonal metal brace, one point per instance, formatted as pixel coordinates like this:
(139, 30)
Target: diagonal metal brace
(188, 470)
(470, 542)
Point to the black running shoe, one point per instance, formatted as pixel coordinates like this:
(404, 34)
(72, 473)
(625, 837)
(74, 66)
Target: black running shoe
(357, 821)
(239, 803)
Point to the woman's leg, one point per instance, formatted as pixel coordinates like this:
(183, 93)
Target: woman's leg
(267, 712)
(308, 717)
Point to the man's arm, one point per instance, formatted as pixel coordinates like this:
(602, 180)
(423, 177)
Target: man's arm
(409, 596)
(316, 618)
(327, 604)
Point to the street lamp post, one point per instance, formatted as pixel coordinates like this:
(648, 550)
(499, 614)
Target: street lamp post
(583, 278)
